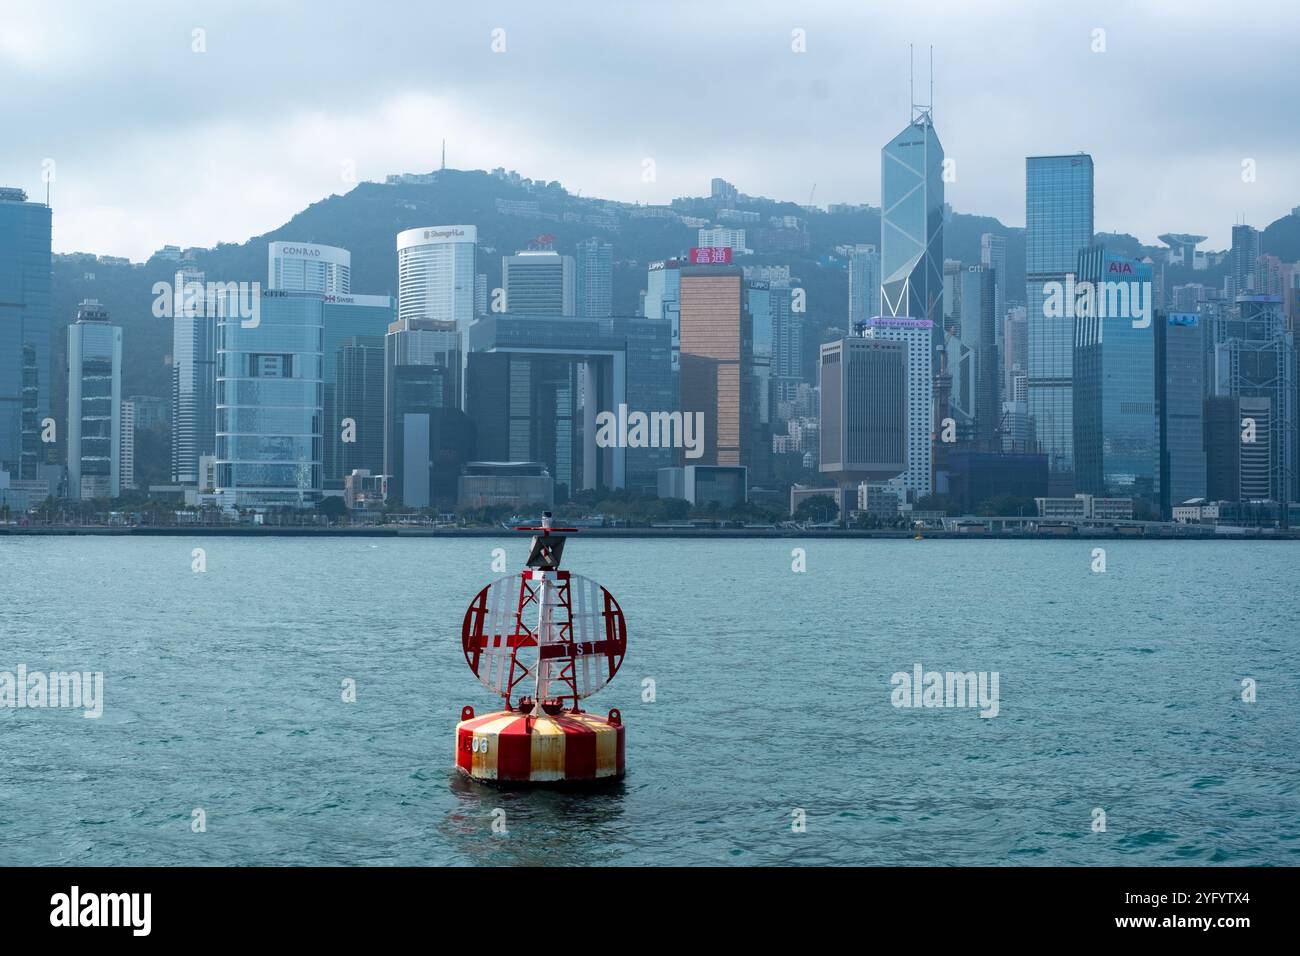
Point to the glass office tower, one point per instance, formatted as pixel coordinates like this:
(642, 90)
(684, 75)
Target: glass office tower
(94, 405)
(25, 328)
(1116, 429)
(1058, 224)
(346, 317)
(1180, 381)
(270, 402)
(663, 300)
(911, 224)
(194, 376)
(595, 279)
(427, 438)
(864, 283)
(359, 395)
(1254, 359)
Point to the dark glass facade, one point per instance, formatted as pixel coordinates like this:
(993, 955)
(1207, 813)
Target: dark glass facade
(427, 438)
(975, 477)
(1058, 224)
(537, 384)
(25, 329)
(1180, 377)
(358, 394)
(863, 409)
(346, 317)
(1116, 430)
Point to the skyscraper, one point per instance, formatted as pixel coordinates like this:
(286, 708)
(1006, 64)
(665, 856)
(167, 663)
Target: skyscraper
(785, 302)
(972, 352)
(346, 317)
(918, 334)
(1237, 469)
(194, 376)
(759, 302)
(864, 410)
(308, 267)
(1253, 358)
(595, 279)
(864, 283)
(359, 396)
(663, 301)
(1242, 260)
(270, 412)
(539, 282)
(717, 360)
(993, 254)
(94, 405)
(1058, 224)
(911, 223)
(435, 274)
(26, 373)
(1115, 421)
(427, 438)
(126, 426)
(1014, 349)
(436, 277)
(1180, 380)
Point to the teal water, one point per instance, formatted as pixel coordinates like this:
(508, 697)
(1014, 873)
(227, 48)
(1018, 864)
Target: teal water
(1119, 691)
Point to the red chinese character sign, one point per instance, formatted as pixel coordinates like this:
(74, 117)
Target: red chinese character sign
(711, 255)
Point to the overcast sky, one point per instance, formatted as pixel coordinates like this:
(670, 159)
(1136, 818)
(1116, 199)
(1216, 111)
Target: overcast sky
(153, 143)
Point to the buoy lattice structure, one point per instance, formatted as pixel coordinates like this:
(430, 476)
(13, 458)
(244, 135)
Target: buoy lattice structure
(544, 639)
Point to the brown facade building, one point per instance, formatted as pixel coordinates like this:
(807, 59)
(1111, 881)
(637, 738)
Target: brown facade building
(717, 359)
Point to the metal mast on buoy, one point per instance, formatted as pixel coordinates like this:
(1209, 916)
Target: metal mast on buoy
(574, 647)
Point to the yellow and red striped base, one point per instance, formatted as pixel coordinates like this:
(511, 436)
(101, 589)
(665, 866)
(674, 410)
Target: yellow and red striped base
(506, 747)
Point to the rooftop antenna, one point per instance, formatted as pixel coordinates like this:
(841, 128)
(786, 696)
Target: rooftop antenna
(921, 111)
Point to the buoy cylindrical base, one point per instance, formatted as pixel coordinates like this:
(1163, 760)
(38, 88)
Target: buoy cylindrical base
(507, 747)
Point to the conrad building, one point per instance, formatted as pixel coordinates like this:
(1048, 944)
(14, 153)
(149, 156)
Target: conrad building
(309, 267)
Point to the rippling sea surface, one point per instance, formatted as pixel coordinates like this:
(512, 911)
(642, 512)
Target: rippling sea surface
(1120, 690)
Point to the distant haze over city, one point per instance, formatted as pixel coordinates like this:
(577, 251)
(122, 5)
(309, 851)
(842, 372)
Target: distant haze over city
(150, 140)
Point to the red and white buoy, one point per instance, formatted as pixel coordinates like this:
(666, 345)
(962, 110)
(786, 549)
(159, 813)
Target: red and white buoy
(544, 638)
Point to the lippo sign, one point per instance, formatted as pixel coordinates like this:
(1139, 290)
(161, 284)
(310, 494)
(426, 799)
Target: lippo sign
(709, 255)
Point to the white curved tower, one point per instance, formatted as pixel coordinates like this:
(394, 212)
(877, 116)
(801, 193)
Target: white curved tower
(435, 274)
(309, 267)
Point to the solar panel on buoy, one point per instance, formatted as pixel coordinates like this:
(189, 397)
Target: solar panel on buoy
(544, 640)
